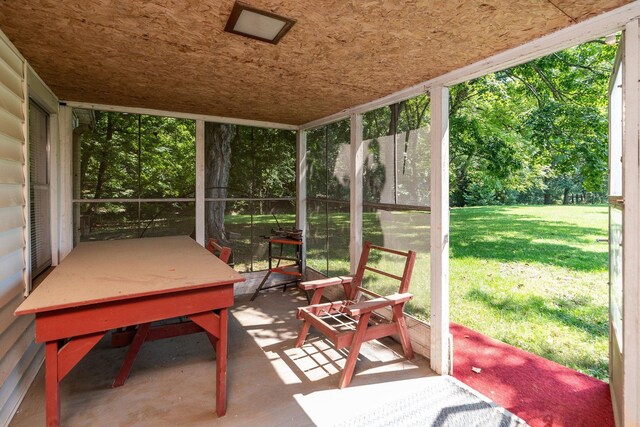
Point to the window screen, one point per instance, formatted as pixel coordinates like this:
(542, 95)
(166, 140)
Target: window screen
(39, 212)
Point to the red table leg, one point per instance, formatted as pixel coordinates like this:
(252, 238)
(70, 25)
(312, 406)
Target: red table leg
(52, 385)
(132, 353)
(216, 325)
(221, 365)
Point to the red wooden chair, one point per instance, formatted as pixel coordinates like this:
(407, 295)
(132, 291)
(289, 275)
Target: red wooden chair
(222, 252)
(351, 322)
(135, 337)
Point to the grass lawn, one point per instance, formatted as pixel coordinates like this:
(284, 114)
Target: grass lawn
(534, 277)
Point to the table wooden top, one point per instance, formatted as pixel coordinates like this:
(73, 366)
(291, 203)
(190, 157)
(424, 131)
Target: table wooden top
(96, 272)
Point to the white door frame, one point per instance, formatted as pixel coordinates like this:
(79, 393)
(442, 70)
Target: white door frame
(631, 225)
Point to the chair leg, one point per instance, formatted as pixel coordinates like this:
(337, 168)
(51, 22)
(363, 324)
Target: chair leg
(304, 330)
(403, 331)
(317, 296)
(354, 351)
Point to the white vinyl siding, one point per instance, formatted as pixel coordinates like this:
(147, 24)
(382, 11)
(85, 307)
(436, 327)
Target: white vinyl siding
(20, 356)
(10, 218)
(10, 148)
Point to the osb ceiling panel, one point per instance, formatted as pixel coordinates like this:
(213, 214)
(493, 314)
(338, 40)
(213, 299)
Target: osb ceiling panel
(174, 55)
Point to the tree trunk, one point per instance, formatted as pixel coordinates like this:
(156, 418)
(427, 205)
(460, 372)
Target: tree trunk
(217, 149)
(565, 198)
(396, 110)
(548, 199)
(104, 161)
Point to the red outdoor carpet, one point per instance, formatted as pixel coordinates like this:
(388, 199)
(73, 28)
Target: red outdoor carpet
(541, 392)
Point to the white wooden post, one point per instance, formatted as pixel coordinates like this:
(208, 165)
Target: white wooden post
(631, 226)
(355, 178)
(200, 202)
(301, 191)
(65, 125)
(440, 230)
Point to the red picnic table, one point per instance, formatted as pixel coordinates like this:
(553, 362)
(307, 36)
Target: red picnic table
(114, 284)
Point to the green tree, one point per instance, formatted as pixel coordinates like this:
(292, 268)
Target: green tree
(537, 126)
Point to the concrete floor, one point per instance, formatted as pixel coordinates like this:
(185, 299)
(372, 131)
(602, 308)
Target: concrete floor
(270, 382)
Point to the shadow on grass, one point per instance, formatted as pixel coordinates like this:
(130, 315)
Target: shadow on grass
(492, 234)
(538, 305)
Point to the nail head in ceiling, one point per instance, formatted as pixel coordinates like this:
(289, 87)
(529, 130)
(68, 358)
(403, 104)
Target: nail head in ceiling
(257, 24)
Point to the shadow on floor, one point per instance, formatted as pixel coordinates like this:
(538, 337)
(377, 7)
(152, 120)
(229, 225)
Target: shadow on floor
(270, 382)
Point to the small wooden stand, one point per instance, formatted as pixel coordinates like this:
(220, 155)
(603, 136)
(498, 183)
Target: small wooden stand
(294, 269)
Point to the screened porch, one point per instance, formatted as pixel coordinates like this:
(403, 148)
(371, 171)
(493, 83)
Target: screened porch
(143, 120)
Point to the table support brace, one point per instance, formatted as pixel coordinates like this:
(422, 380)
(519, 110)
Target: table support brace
(59, 361)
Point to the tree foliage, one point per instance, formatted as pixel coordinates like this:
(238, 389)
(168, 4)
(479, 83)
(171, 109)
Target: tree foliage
(136, 156)
(535, 132)
(129, 156)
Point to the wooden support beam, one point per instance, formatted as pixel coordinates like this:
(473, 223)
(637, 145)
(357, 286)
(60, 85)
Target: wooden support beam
(208, 321)
(52, 384)
(355, 177)
(74, 350)
(159, 332)
(180, 115)
(301, 191)
(200, 193)
(132, 353)
(65, 127)
(440, 230)
(221, 361)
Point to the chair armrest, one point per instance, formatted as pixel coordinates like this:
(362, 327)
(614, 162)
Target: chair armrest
(368, 306)
(224, 252)
(323, 283)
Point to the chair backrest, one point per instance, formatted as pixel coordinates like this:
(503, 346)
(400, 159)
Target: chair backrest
(222, 252)
(403, 286)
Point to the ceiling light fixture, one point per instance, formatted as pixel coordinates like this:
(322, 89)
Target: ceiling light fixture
(257, 24)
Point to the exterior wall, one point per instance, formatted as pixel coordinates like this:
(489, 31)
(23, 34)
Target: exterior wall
(20, 356)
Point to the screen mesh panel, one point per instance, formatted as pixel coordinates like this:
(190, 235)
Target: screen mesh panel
(39, 190)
